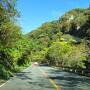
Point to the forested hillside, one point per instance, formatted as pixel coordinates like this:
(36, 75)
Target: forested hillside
(64, 42)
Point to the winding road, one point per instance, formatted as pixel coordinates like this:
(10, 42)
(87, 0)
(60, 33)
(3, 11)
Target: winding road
(46, 78)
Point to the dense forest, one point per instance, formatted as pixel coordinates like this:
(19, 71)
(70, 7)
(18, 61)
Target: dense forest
(64, 42)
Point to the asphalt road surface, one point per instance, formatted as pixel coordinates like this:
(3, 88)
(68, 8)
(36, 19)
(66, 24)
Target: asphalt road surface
(46, 78)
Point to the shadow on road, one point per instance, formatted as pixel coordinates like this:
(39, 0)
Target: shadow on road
(34, 79)
(66, 79)
(23, 75)
(43, 65)
(40, 84)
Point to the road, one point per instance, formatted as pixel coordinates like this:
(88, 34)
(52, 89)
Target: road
(46, 78)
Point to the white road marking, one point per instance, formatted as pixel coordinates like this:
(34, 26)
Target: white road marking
(10, 79)
(4, 83)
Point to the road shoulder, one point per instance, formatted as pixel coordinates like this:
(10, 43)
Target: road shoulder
(2, 82)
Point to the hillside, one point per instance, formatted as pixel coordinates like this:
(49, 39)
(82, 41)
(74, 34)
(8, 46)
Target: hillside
(64, 42)
(72, 22)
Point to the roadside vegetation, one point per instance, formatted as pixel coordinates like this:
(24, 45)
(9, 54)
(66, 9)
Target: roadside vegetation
(64, 42)
(14, 46)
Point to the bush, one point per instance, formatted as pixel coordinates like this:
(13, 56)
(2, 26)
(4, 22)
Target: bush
(5, 74)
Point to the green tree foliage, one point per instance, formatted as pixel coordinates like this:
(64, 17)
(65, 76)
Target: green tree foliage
(66, 55)
(67, 40)
(14, 47)
(7, 10)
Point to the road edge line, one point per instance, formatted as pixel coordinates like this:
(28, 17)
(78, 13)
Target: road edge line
(9, 79)
(4, 83)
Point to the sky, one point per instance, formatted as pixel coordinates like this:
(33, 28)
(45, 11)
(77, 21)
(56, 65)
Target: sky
(36, 12)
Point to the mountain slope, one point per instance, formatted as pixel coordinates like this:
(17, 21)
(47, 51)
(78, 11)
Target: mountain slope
(64, 42)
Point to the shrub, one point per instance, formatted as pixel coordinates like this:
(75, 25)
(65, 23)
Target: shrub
(5, 74)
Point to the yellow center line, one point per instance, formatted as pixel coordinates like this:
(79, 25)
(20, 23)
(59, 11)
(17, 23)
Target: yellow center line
(50, 80)
(54, 84)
